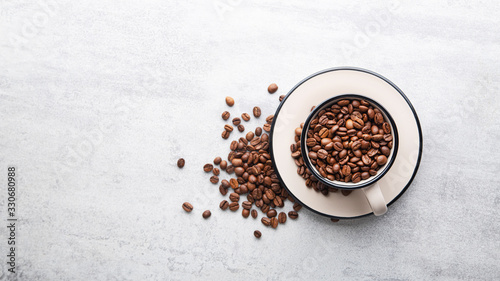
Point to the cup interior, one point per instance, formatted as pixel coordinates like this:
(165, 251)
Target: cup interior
(348, 185)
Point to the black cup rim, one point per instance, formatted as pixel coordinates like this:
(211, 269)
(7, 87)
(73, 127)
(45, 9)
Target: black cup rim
(335, 184)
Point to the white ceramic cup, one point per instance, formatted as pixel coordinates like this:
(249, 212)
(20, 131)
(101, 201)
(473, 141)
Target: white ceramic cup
(370, 186)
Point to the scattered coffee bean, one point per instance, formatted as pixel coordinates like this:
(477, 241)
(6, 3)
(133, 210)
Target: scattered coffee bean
(272, 88)
(245, 213)
(236, 121)
(246, 205)
(187, 207)
(206, 214)
(334, 220)
(226, 115)
(214, 179)
(229, 101)
(208, 168)
(216, 171)
(223, 164)
(257, 234)
(257, 112)
(228, 128)
(181, 162)
(234, 197)
(234, 206)
(266, 221)
(245, 116)
(224, 204)
(282, 217)
(271, 213)
(274, 222)
(222, 190)
(282, 97)
(241, 128)
(217, 160)
(293, 215)
(225, 134)
(258, 131)
(267, 127)
(254, 213)
(297, 207)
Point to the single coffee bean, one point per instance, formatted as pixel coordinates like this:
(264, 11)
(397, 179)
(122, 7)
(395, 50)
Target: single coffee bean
(245, 116)
(226, 115)
(237, 162)
(297, 207)
(266, 221)
(224, 204)
(187, 207)
(271, 213)
(272, 88)
(206, 214)
(385, 150)
(225, 134)
(214, 179)
(217, 160)
(267, 127)
(274, 222)
(236, 121)
(282, 217)
(223, 164)
(229, 101)
(222, 190)
(245, 213)
(208, 168)
(230, 169)
(334, 220)
(379, 118)
(246, 205)
(269, 119)
(249, 136)
(234, 197)
(282, 97)
(254, 213)
(257, 234)
(381, 160)
(181, 162)
(293, 215)
(216, 171)
(234, 206)
(257, 112)
(228, 128)
(258, 131)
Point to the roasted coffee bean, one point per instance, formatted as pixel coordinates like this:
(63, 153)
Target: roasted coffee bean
(356, 177)
(249, 136)
(269, 119)
(223, 164)
(266, 221)
(181, 162)
(274, 222)
(257, 234)
(234, 206)
(293, 215)
(226, 115)
(282, 97)
(187, 207)
(256, 112)
(254, 213)
(246, 205)
(272, 88)
(225, 134)
(222, 190)
(224, 204)
(234, 197)
(271, 213)
(241, 128)
(216, 171)
(229, 101)
(236, 121)
(208, 168)
(228, 128)
(297, 207)
(206, 214)
(334, 220)
(258, 131)
(214, 179)
(230, 169)
(282, 217)
(217, 160)
(267, 127)
(245, 213)
(381, 160)
(245, 116)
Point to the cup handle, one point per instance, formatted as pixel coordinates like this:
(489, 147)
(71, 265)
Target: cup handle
(376, 199)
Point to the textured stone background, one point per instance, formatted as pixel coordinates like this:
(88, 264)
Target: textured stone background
(98, 99)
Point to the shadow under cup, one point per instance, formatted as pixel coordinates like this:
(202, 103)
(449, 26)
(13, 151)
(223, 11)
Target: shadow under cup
(371, 181)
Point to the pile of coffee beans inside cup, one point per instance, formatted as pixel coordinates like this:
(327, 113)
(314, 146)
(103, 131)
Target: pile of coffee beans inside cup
(250, 161)
(348, 141)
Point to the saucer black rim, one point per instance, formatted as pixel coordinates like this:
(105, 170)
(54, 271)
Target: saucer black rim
(419, 158)
(376, 177)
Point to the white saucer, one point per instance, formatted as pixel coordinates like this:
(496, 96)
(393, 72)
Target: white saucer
(323, 85)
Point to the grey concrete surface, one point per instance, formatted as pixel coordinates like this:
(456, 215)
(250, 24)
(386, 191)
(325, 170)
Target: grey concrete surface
(98, 99)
